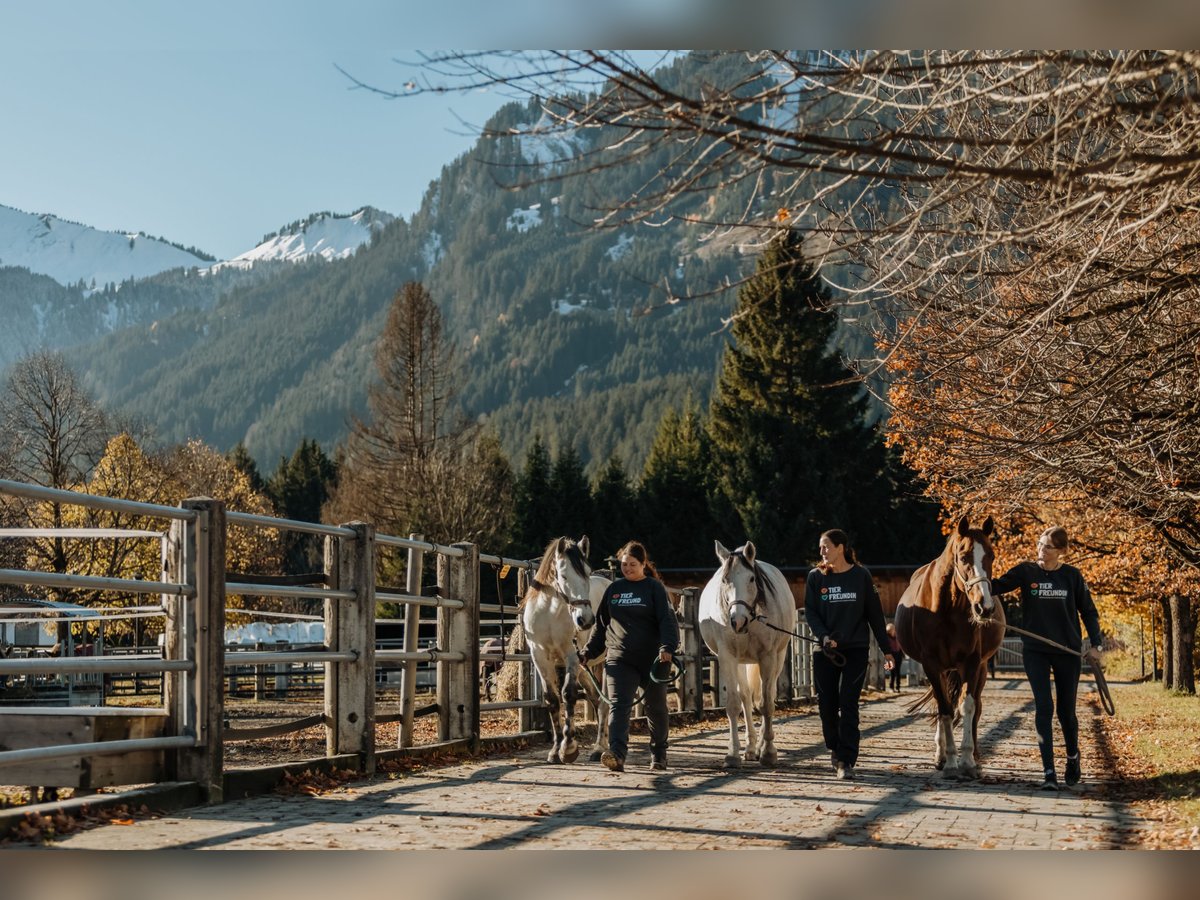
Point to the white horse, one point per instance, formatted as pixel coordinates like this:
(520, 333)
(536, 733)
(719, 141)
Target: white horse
(557, 614)
(736, 606)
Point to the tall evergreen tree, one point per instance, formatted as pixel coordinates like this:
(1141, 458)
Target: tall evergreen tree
(679, 527)
(241, 459)
(299, 489)
(532, 528)
(791, 446)
(614, 511)
(570, 494)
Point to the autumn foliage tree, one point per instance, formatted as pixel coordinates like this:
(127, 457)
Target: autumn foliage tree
(1022, 224)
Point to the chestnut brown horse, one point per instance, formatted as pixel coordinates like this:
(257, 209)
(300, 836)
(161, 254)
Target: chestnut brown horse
(949, 622)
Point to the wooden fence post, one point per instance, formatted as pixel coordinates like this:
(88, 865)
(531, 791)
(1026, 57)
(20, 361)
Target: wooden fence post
(196, 630)
(350, 625)
(529, 718)
(691, 696)
(412, 628)
(458, 632)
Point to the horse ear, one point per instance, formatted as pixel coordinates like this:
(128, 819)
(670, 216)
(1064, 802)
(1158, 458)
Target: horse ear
(988, 525)
(722, 553)
(964, 525)
(584, 545)
(748, 552)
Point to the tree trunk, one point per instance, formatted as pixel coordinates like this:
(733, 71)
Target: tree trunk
(1168, 639)
(1183, 626)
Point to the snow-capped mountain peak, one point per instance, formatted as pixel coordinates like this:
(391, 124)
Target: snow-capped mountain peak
(70, 253)
(324, 234)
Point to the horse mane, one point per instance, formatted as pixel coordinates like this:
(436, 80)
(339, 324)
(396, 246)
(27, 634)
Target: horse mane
(568, 548)
(761, 582)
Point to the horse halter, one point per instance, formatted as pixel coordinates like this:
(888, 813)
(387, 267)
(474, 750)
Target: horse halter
(982, 606)
(572, 602)
(737, 601)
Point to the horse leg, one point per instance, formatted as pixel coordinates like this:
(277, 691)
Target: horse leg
(570, 749)
(948, 714)
(770, 672)
(600, 708)
(746, 689)
(728, 667)
(550, 690)
(945, 757)
(972, 709)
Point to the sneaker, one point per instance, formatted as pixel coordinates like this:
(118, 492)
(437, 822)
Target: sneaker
(1072, 773)
(845, 772)
(612, 762)
(1050, 782)
(659, 764)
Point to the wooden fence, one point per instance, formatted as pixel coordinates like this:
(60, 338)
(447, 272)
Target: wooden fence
(183, 738)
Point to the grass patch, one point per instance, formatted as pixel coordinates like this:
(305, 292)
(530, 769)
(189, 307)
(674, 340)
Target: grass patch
(1155, 734)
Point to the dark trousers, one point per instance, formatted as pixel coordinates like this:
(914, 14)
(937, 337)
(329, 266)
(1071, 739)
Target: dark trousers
(838, 690)
(623, 683)
(1066, 670)
(894, 680)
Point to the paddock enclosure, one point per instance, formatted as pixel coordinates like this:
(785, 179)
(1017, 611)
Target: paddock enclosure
(225, 690)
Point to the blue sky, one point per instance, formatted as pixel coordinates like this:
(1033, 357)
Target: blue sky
(213, 124)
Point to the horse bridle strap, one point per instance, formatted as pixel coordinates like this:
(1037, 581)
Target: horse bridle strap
(969, 583)
(573, 602)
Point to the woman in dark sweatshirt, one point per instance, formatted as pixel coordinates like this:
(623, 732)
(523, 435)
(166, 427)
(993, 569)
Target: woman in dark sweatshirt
(1053, 598)
(842, 608)
(635, 627)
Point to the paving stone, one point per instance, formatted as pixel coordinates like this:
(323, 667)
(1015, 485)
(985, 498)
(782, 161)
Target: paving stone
(521, 801)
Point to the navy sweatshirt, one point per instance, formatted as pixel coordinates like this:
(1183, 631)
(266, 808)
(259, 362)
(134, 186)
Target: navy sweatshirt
(635, 621)
(845, 607)
(1051, 605)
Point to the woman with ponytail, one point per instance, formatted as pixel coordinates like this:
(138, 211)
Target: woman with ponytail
(635, 628)
(842, 608)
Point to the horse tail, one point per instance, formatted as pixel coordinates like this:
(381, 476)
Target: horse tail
(918, 706)
(751, 684)
(954, 690)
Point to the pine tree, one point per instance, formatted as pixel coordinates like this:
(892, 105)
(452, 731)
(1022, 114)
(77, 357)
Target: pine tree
(614, 508)
(241, 459)
(532, 529)
(570, 495)
(679, 528)
(790, 442)
(299, 489)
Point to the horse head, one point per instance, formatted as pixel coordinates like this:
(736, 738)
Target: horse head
(972, 566)
(739, 585)
(566, 571)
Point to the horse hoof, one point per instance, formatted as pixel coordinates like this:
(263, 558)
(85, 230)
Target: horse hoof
(769, 760)
(553, 757)
(595, 756)
(570, 755)
(733, 762)
(751, 757)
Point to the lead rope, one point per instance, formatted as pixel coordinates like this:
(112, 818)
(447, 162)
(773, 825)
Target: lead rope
(831, 653)
(1106, 700)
